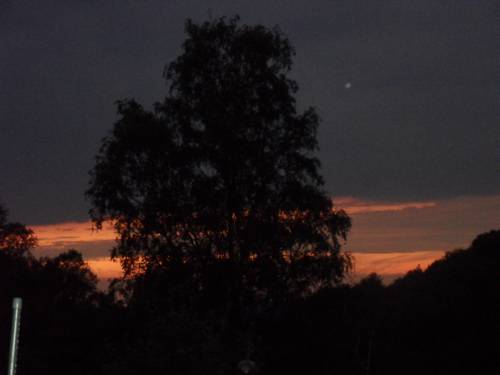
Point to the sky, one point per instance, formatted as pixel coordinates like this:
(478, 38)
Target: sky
(408, 93)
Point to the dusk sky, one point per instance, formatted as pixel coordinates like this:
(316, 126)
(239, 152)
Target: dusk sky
(408, 92)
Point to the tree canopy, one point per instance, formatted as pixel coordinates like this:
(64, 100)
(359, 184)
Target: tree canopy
(222, 173)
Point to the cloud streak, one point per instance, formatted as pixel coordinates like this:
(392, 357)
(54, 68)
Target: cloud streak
(355, 206)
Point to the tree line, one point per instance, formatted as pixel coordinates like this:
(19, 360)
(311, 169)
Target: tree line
(440, 320)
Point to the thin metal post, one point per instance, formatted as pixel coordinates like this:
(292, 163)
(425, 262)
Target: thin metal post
(370, 348)
(17, 305)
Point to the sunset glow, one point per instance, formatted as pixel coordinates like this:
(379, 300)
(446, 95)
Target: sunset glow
(62, 234)
(389, 238)
(393, 264)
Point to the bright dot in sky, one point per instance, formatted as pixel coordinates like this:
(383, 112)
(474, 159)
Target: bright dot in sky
(348, 85)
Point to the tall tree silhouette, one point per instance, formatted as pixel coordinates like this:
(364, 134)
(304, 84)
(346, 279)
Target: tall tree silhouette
(220, 179)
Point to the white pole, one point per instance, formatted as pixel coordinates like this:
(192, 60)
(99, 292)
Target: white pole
(17, 305)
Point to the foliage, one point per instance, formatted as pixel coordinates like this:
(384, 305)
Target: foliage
(15, 238)
(220, 179)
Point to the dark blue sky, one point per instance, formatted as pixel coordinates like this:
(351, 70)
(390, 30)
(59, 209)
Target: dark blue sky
(421, 119)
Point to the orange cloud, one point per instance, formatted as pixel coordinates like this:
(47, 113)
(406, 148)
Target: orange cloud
(56, 238)
(355, 206)
(61, 234)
